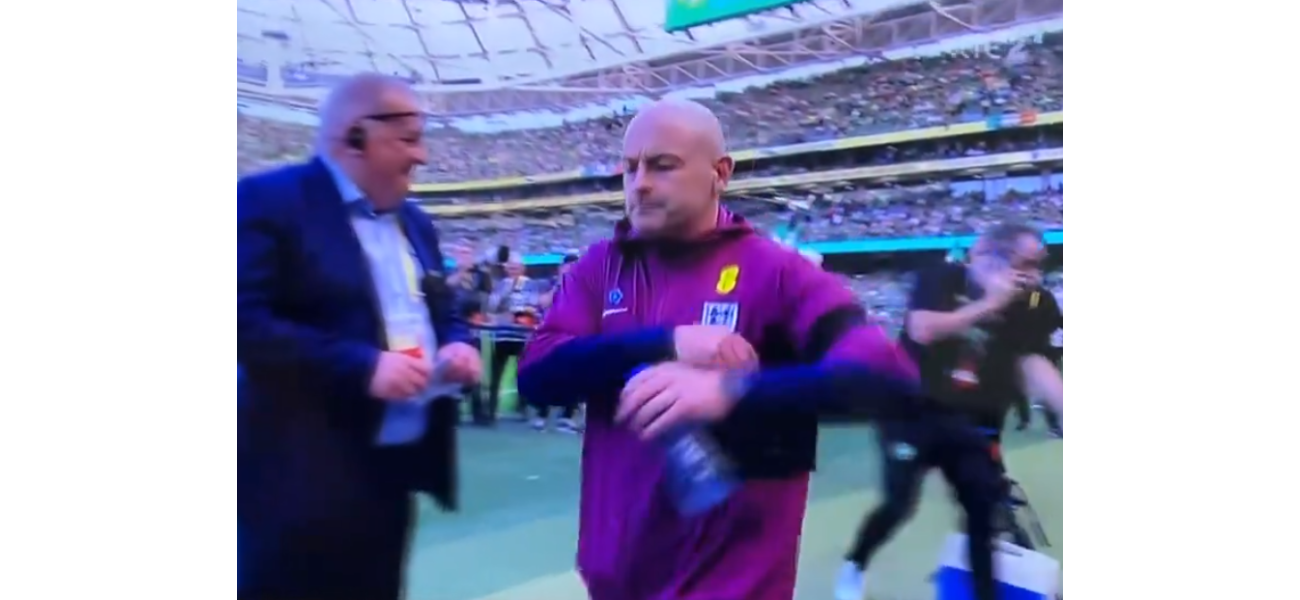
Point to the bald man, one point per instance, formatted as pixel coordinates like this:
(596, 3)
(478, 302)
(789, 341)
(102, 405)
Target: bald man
(737, 331)
(346, 349)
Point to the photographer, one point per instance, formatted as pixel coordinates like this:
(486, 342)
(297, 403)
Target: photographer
(471, 284)
(980, 334)
(514, 306)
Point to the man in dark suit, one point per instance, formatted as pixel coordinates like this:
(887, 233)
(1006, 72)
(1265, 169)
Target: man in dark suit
(347, 348)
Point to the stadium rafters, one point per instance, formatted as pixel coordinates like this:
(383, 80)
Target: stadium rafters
(474, 57)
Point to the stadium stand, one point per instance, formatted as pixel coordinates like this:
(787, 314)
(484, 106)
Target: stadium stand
(877, 98)
(922, 148)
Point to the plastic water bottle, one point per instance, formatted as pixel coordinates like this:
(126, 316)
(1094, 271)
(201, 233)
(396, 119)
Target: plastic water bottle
(699, 476)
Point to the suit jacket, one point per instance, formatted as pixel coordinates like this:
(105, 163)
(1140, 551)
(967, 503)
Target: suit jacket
(310, 331)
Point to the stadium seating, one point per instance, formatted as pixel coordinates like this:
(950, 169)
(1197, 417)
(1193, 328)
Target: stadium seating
(893, 96)
(926, 210)
(889, 96)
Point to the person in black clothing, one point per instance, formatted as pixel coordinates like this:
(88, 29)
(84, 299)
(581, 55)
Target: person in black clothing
(980, 335)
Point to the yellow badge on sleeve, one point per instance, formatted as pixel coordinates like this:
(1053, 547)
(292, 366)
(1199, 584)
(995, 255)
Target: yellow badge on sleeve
(727, 279)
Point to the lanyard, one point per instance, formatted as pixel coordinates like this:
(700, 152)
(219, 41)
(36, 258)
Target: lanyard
(409, 269)
(408, 262)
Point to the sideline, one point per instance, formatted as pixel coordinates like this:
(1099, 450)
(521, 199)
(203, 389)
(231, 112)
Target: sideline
(903, 565)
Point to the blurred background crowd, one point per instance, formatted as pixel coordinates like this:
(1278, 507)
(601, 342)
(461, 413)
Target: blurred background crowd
(992, 85)
(934, 209)
(875, 98)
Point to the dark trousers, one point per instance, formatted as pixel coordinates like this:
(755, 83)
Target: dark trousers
(502, 352)
(344, 555)
(955, 447)
(1024, 413)
(1053, 419)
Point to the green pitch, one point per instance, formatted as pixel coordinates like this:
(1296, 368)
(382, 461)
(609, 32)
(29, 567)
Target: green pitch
(516, 535)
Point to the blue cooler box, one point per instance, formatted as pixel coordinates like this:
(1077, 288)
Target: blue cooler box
(1022, 574)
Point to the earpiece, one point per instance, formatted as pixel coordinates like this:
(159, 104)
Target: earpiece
(355, 138)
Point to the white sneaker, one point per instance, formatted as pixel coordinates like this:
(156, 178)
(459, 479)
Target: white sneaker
(852, 583)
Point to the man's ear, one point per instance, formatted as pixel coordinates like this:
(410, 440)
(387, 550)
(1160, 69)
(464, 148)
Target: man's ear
(722, 172)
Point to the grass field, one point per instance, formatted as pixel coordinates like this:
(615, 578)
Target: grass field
(516, 535)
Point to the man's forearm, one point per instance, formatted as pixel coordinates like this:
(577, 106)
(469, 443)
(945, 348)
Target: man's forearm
(862, 373)
(925, 327)
(591, 367)
(826, 390)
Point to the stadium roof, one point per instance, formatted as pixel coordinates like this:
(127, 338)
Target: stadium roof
(563, 51)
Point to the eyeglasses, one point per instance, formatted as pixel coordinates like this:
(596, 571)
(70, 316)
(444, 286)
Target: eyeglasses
(393, 116)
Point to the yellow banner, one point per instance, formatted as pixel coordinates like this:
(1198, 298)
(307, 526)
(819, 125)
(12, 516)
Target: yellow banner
(496, 184)
(862, 141)
(929, 167)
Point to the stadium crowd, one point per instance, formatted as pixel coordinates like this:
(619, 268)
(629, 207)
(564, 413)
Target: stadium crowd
(852, 213)
(874, 98)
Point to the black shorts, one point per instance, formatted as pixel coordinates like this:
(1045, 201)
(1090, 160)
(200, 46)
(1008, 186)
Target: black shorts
(949, 441)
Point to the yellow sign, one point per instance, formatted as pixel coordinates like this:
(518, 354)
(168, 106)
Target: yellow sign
(480, 185)
(727, 279)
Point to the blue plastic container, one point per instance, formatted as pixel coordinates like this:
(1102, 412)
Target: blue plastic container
(699, 476)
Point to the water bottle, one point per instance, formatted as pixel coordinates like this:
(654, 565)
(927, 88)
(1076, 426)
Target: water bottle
(699, 476)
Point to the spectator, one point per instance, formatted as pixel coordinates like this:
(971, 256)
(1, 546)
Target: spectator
(852, 214)
(874, 98)
(514, 309)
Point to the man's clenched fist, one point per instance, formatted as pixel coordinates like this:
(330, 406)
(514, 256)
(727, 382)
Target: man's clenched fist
(399, 376)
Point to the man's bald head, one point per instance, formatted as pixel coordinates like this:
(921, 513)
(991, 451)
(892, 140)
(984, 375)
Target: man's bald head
(386, 115)
(690, 114)
(675, 168)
